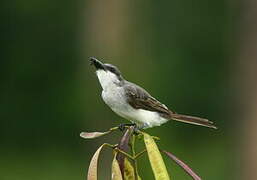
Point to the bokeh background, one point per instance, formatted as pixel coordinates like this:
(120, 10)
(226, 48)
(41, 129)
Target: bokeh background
(197, 57)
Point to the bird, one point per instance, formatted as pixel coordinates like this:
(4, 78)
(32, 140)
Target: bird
(134, 103)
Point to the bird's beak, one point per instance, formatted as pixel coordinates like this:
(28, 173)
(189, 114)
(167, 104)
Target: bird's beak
(98, 64)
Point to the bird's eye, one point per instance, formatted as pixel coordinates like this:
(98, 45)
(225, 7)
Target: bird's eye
(112, 70)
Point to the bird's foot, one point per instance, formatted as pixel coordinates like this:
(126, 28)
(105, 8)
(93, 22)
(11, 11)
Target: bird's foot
(122, 127)
(136, 130)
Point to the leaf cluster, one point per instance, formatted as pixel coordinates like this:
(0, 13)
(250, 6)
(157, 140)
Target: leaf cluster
(124, 164)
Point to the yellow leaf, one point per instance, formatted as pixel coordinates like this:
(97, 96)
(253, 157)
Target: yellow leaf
(92, 170)
(156, 161)
(116, 173)
(129, 172)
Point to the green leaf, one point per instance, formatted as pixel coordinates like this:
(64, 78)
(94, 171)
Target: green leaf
(92, 170)
(182, 165)
(116, 173)
(156, 161)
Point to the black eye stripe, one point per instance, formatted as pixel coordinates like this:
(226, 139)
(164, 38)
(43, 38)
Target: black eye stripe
(112, 69)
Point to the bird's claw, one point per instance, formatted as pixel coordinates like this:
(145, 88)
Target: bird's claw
(122, 127)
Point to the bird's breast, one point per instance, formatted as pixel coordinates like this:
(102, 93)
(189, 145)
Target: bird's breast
(116, 100)
(114, 97)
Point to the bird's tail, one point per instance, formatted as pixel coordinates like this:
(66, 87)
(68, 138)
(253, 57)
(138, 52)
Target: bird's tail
(193, 120)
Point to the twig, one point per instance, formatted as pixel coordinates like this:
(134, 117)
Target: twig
(134, 154)
(140, 154)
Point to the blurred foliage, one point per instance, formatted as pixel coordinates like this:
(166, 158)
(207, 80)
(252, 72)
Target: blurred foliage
(178, 50)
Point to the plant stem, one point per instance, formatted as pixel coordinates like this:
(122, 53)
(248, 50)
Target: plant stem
(124, 153)
(119, 150)
(134, 155)
(139, 154)
(113, 129)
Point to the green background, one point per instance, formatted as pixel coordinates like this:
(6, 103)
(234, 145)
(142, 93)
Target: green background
(180, 51)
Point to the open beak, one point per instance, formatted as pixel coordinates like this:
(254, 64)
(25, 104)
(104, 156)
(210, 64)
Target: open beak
(98, 64)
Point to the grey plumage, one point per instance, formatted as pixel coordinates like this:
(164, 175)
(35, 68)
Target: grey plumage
(139, 98)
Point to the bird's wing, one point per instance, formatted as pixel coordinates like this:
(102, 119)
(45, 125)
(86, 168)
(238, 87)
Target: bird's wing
(138, 98)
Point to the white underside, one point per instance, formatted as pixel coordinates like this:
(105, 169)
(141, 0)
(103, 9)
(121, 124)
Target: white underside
(143, 118)
(114, 97)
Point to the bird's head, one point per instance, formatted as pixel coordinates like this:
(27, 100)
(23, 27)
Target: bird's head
(107, 74)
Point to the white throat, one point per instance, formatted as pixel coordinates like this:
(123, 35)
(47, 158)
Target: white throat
(107, 79)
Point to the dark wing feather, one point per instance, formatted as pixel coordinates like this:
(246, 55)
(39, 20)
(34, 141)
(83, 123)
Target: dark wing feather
(138, 98)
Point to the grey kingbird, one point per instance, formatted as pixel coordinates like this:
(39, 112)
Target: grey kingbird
(133, 103)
